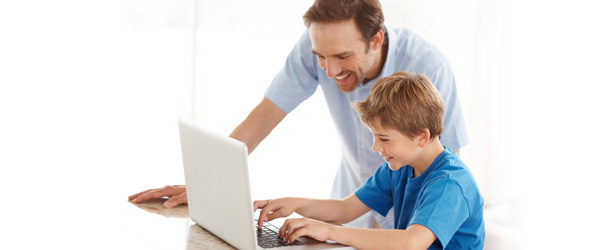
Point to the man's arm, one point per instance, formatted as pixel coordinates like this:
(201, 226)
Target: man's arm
(259, 124)
(255, 128)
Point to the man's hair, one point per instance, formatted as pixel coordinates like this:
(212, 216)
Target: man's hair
(367, 14)
(405, 102)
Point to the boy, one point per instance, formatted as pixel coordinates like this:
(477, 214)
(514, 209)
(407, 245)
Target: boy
(436, 202)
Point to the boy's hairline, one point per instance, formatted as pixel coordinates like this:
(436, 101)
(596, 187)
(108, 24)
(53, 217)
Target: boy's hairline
(392, 127)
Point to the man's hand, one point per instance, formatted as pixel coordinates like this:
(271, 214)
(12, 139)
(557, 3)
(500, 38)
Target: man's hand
(176, 193)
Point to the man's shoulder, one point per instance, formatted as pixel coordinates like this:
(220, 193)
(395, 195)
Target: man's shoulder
(412, 50)
(405, 35)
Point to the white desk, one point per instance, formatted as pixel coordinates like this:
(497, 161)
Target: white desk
(160, 224)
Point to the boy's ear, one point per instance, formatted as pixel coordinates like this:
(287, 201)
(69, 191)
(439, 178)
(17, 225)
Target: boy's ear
(423, 137)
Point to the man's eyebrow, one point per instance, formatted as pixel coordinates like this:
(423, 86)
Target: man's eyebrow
(345, 53)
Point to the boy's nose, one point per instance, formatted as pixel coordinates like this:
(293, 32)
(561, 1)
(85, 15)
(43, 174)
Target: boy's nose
(375, 147)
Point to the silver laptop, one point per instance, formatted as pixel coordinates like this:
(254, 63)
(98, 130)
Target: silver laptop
(218, 190)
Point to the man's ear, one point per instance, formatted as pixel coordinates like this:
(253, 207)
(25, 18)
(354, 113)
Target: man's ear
(423, 137)
(377, 40)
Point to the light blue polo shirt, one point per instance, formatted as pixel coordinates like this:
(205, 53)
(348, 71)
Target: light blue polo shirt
(301, 75)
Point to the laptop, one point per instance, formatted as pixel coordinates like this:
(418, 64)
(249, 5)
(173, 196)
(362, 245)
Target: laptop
(218, 190)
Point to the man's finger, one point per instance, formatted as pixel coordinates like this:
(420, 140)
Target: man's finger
(153, 194)
(131, 197)
(176, 200)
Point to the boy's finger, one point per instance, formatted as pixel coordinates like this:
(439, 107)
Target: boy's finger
(260, 204)
(274, 215)
(263, 215)
(283, 229)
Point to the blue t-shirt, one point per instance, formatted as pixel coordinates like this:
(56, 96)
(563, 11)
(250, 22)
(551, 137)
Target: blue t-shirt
(445, 199)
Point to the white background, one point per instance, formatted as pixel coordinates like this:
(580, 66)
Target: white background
(90, 92)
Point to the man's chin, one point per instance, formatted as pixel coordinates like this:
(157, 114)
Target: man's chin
(346, 88)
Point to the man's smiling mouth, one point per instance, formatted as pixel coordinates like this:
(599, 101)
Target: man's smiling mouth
(342, 77)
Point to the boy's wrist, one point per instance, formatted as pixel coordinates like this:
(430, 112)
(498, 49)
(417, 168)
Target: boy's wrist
(336, 234)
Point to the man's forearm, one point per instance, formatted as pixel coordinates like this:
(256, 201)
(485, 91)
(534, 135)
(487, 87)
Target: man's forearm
(259, 124)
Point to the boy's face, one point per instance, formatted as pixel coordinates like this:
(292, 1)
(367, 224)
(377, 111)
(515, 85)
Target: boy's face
(343, 54)
(396, 149)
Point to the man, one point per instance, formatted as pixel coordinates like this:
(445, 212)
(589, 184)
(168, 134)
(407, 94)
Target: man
(345, 49)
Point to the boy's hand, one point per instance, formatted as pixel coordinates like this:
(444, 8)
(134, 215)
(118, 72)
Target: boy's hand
(292, 229)
(273, 209)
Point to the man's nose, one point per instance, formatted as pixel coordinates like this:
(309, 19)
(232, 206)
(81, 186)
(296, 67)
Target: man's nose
(332, 68)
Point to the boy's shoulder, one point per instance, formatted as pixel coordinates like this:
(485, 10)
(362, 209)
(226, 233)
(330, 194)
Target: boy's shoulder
(451, 168)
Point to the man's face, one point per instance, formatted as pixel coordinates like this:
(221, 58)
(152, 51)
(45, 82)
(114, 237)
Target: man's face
(343, 54)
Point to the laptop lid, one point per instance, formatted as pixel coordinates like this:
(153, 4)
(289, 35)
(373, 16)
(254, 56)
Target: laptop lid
(218, 189)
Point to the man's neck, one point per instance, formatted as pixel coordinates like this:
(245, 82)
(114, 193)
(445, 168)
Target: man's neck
(381, 57)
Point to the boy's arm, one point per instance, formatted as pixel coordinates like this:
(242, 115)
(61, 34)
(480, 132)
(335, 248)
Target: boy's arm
(330, 210)
(414, 237)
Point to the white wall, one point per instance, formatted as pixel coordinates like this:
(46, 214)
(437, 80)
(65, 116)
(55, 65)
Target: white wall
(88, 111)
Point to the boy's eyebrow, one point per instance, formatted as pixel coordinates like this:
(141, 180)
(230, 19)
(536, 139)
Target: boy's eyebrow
(380, 135)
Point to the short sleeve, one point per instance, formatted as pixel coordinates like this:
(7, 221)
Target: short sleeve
(297, 80)
(442, 208)
(376, 192)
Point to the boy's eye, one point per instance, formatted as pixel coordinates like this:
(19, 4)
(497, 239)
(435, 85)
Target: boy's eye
(383, 140)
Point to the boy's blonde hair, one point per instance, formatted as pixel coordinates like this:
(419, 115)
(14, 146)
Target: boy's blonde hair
(405, 102)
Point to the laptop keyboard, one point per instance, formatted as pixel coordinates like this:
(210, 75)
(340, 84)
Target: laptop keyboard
(267, 236)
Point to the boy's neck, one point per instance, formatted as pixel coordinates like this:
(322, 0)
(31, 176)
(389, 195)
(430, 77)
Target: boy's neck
(431, 151)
